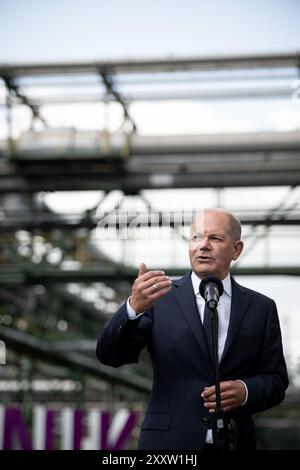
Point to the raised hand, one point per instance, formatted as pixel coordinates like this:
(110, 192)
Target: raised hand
(148, 287)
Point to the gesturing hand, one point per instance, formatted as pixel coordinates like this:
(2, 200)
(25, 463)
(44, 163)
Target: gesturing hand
(233, 394)
(148, 287)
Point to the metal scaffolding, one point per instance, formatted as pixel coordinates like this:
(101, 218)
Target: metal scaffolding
(40, 315)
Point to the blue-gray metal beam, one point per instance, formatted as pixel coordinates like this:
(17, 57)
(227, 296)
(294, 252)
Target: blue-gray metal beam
(46, 222)
(213, 63)
(28, 344)
(19, 275)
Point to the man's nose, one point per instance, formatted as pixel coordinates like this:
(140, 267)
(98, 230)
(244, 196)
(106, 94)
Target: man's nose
(204, 244)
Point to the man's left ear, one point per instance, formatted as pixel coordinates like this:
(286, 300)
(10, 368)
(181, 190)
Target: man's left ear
(238, 248)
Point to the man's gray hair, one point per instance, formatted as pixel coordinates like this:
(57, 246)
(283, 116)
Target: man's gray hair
(235, 227)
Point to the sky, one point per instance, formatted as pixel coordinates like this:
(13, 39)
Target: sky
(87, 30)
(49, 30)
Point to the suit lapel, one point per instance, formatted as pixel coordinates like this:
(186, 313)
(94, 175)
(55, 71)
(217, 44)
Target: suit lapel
(184, 296)
(239, 303)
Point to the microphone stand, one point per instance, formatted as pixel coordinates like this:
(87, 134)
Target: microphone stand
(223, 436)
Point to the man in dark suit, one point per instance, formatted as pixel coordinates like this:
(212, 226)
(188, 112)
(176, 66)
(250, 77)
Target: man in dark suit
(167, 317)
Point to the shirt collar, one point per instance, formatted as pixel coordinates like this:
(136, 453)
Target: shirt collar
(196, 283)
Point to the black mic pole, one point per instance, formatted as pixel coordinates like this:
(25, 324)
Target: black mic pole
(211, 288)
(218, 427)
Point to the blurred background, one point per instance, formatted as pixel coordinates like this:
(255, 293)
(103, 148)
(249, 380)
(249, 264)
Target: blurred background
(118, 120)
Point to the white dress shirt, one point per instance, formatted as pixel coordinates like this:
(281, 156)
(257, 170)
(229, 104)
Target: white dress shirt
(224, 307)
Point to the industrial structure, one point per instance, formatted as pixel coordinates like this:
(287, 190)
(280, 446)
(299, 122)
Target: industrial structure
(58, 283)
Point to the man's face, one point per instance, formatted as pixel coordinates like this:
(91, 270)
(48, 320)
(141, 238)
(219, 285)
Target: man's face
(211, 246)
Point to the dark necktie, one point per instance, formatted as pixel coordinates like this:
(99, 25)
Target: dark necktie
(208, 330)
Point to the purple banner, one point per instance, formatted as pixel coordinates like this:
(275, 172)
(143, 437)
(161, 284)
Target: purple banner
(66, 429)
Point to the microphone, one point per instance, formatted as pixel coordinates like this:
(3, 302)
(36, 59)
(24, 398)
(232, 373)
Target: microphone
(211, 289)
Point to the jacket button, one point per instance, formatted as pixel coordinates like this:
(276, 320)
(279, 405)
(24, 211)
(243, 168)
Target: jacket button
(205, 420)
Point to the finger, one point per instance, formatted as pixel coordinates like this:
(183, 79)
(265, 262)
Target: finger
(155, 281)
(228, 402)
(160, 293)
(226, 385)
(210, 406)
(210, 398)
(154, 288)
(228, 408)
(227, 395)
(151, 274)
(208, 392)
(224, 403)
(143, 269)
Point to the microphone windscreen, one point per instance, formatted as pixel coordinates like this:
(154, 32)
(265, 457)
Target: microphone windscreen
(211, 279)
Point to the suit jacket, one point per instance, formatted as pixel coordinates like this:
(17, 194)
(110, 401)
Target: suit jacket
(174, 335)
